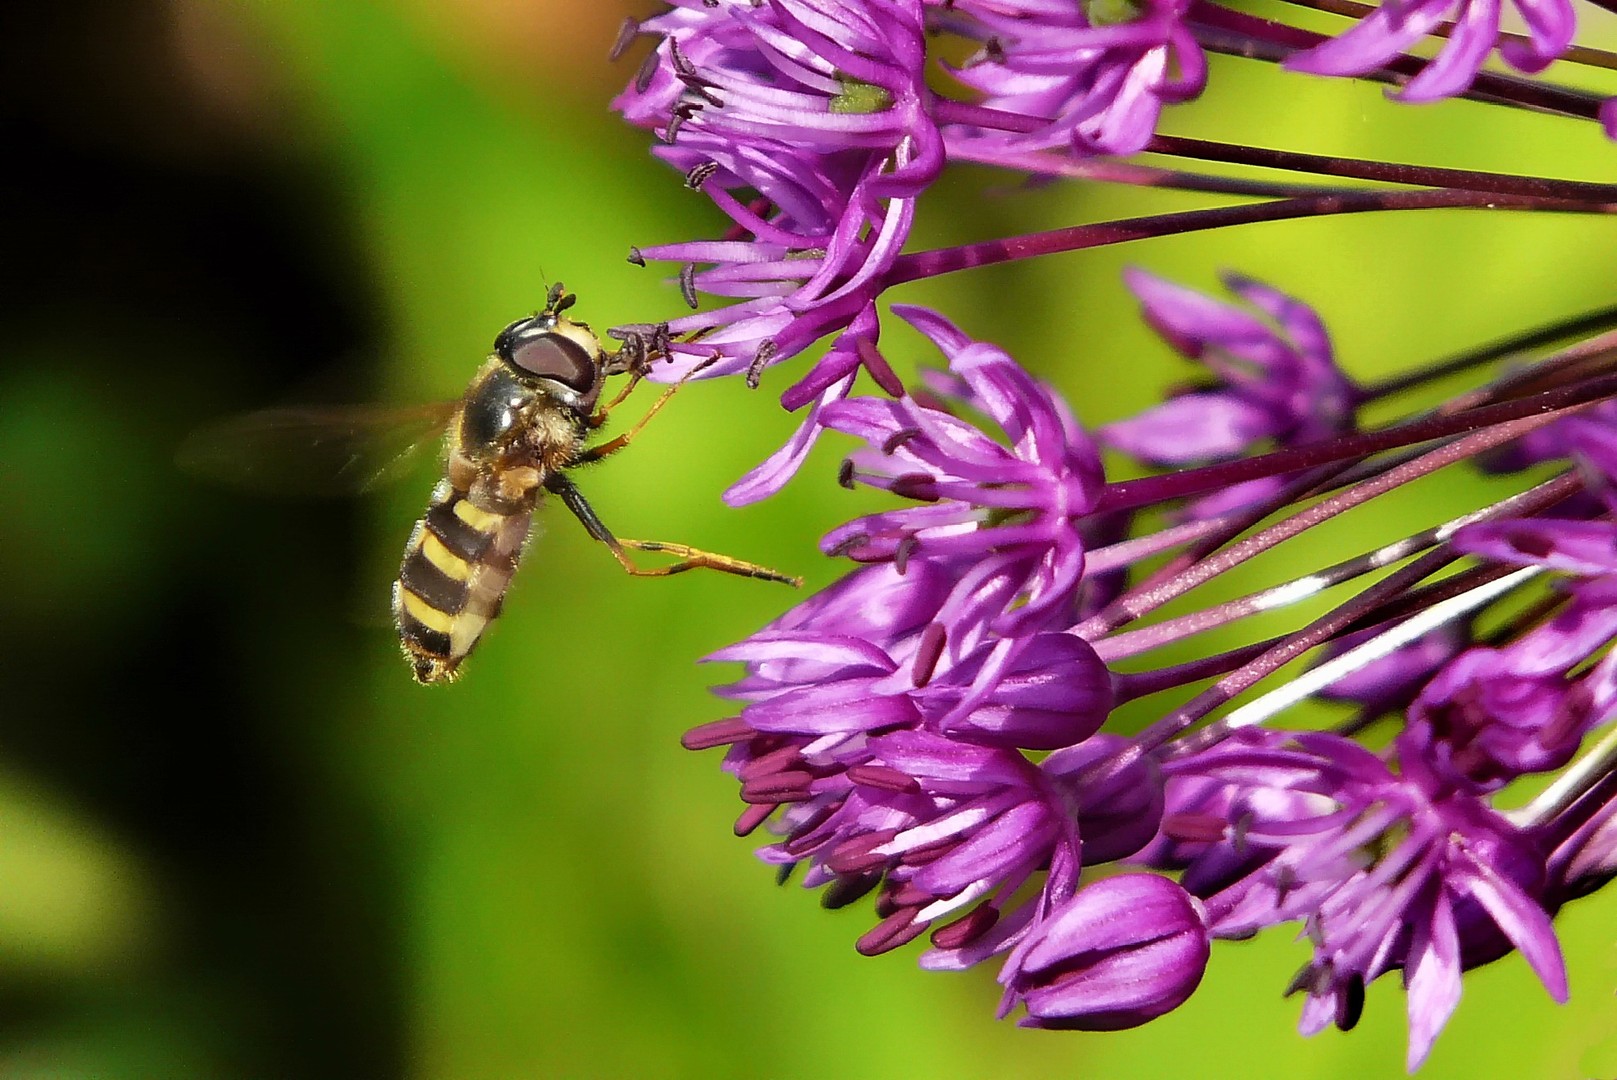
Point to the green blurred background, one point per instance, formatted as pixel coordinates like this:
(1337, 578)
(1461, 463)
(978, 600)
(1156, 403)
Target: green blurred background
(237, 841)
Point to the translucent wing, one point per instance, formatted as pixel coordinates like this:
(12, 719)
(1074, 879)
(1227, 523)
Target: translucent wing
(342, 450)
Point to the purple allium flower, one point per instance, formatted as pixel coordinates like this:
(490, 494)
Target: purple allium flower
(944, 828)
(1276, 380)
(1492, 715)
(1386, 32)
(1386, 873)
(808, 122)
(929, 730)
(966, 828)
(1124, 950)
(1011, 509)
(1097, 74)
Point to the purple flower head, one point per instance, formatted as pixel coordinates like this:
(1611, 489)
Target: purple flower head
(1493, 715)
(1011, 507)
(1097, 74)
(964, 828)
(1122, 951)
(1386, 873)
(1386, 32)
(1275, 380)
(947, 831)
(809, 123)
(1194, 836)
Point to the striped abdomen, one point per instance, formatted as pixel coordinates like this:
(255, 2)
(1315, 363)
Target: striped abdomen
(457, 566)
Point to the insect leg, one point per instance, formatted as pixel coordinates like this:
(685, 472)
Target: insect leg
(599, 416)
(690, 558)
(693, 558)
(613, 445)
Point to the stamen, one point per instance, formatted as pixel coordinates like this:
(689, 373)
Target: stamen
(922, 487)
(899, 438)
(966, 929)
(754, 816)
(760, 360)
(647, 71)
(687, 285)
(901, 554)
(700, 174)
(928, 651)
(848, 889)
(628, 30)
(896, 930)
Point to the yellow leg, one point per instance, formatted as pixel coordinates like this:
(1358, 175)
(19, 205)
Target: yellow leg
(694, 558)
(601, 413)
(612, 446)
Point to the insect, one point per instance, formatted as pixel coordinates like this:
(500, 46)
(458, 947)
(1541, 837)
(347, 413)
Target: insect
(523, 423)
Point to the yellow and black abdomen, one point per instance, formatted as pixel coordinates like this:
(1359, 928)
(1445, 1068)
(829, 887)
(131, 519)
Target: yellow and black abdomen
(457, 566)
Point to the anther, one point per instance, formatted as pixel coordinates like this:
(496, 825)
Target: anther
(700, 174)
(760, 360)
(879, 368)
(922, 487)
(687, 284)
(627, 32)
(646, 72)
(901, 555)
(928, 651)
(899, 438)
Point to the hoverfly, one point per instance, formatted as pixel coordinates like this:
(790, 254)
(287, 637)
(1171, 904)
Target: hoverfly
(522, 424)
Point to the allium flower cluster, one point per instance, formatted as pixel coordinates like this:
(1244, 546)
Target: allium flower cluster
(943, 729)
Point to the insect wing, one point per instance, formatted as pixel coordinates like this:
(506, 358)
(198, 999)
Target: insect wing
(341, 450)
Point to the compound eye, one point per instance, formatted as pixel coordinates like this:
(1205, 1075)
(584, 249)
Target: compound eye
(552, 356)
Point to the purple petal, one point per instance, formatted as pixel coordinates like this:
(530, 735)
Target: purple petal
(772, 474)
(1194, 427)
(1525, 923)
(1578, 547)
(1432, 977)
(1455, 67)
(845, 652)
(828, 709)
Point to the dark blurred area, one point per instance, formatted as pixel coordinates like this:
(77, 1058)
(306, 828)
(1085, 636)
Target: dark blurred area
(168, 260)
